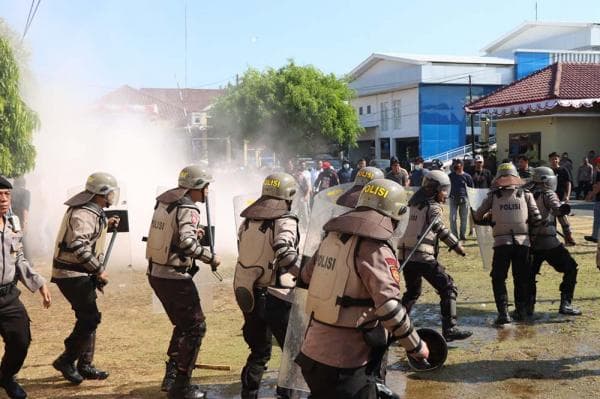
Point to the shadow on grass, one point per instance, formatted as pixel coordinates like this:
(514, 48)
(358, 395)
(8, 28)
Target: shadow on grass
(501, 370)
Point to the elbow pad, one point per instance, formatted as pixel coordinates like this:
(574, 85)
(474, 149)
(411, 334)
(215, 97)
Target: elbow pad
(394, 318)
(445, 235)
(192, 248)
(285, 255)
(84, 254)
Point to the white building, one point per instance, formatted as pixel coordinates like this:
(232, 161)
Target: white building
(413, 104)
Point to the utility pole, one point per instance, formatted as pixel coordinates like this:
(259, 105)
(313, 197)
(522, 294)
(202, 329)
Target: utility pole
(185, 45)
(471, 116)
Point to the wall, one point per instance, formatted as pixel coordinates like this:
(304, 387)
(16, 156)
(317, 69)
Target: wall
(575, 135)
(442, 122)
(528, 62)
(386, 75)
(484, 74)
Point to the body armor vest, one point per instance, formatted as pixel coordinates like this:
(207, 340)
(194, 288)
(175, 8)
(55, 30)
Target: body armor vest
(163, 238)
(509, 213)
(548, 225)
(336, 294)
(255, 266)
(417, 223)
(97, 241)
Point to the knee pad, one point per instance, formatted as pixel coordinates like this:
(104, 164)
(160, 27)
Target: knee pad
(450, 292)
(89, 321)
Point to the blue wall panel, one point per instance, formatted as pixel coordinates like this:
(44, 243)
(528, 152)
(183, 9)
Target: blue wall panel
(527, 63)
(442, 122)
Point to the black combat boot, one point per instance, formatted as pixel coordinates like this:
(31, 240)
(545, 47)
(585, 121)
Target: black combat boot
(170, 374)
(12, 388)
(90, 372)
(521, 312)
(566, 307)
(449, 329)
(182, 389)
(68, 369)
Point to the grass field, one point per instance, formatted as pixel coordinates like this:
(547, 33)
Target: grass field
(554, 356)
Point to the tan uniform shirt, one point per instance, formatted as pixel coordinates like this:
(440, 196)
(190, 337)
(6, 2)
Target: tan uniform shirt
(188, 222)
(13, 260)
(377, 266)
(83, 225)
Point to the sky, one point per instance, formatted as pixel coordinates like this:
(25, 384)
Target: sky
(99, 45)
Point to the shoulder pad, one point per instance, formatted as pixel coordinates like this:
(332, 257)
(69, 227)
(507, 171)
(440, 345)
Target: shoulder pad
(95, 209)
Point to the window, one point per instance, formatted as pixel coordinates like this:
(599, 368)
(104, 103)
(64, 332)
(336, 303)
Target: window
(383, 111)
(197, 118)
(396, 113)
(384, 145)
(360, 110)
(525, 143)
(368, 109)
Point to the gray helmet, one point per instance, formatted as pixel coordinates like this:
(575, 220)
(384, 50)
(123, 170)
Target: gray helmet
(543, 176)
(385, 196)
(279, 185)
(101, 183)
(365, 175)
(104, 184)
(194, 177)
(507, 176)
(436, 181)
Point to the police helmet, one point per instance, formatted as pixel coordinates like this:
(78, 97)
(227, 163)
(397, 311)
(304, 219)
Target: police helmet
(385, 196)
(279, 185)
(194, 177)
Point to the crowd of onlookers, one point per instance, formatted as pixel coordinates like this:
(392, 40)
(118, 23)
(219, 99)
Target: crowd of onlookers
(476, 172)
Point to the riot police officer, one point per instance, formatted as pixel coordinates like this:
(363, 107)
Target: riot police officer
(544, 242)
(14, 321)
(508, 208)
(173, 245)
(426, 218)
(268, 254)
(78, 270)
(353, 280)
(363, 176)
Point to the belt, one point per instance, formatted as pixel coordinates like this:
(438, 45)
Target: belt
(73, 267)
(6, 289)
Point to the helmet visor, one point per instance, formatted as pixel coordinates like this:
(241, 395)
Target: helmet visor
(112, 197)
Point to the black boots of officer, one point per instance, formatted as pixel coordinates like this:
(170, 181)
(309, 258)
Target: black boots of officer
(566, 307)
(170, 374)
(182, 389)
(67, 369)
(502, 307)
(449, 329)
(12, 387)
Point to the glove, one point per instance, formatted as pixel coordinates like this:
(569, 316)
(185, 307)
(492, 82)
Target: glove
(460, 250)
(569, 241)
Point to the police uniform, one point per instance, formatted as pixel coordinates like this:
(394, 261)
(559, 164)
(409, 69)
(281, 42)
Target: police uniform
(268, 251)
(547, 247)
(173, 246)
(78, 260)
(424, 263)
(353, 294)
(509, 209)
(14, 321)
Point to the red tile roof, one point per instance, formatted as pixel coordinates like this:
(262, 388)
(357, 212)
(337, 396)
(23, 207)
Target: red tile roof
(165, 104)
(559, 81)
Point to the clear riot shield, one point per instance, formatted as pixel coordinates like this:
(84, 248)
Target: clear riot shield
(241, 202)
(485, 237)
(323, 209)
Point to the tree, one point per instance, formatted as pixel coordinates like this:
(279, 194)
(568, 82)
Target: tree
(17, 120)
(291, 110)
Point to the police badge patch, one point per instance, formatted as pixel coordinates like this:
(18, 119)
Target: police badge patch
(393, 264)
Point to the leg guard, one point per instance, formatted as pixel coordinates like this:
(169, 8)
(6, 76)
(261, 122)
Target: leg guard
(189, 346)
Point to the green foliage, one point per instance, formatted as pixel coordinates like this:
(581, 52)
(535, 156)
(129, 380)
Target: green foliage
(291, 110)
(17, 121)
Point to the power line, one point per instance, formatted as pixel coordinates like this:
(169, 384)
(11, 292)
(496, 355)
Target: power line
(30, 17)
